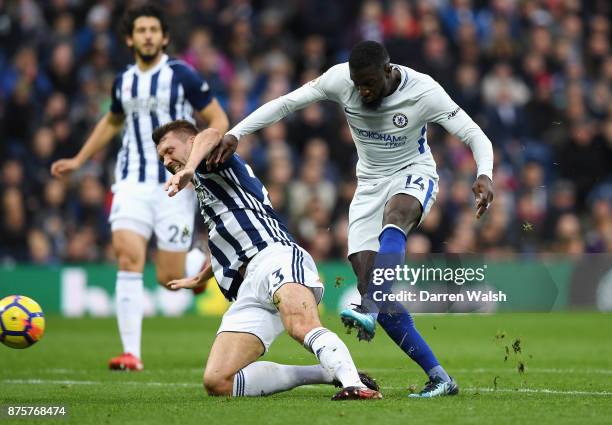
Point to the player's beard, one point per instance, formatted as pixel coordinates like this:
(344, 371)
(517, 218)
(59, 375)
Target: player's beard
(174, 167)
(372, 105)
(147, 58)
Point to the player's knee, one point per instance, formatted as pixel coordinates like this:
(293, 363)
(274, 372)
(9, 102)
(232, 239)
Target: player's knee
(129, 262)
(298, 329)
(298, 333)
(165, 276)
(217, 384)
(405, 217)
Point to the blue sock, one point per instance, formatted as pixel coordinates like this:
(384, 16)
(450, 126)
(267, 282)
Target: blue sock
(392, 316)
(400, 327)
(392, 253)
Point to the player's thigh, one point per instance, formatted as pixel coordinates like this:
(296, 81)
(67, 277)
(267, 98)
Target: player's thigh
(130, 249)
(403, 210)
(297, 306)
(131, 221)
(169, 265)
(252, 314)
(174, 224)
(410, 197)
(285, 279)
(230, 352)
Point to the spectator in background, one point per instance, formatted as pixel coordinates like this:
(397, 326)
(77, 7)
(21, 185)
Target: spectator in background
(41, 156)
(467, 92)
(402, 33)
(39, 248)
(62, 69)
(311, 188)
(583, 159)
(599, 238)
(563, 201)
(13, 226)
(535, 75)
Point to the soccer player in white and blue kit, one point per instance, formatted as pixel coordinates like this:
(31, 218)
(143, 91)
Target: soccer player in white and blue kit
(387, 107)
(272, 281)
(154, 90)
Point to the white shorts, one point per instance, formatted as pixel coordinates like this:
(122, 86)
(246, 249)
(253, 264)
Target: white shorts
(371, 197)
(254, 311)
(147, 208)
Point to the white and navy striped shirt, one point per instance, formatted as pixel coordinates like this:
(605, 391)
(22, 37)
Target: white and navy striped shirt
(240, 218)
(169, 91)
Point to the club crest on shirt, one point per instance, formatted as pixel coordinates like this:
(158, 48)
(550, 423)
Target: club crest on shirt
(205, 196)
(400, 120)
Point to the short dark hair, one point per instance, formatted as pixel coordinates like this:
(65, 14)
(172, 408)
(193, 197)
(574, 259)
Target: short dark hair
(147, 9)
(368, 53)
(178, 126)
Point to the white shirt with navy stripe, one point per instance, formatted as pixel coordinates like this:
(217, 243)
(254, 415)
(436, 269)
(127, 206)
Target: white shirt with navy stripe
(240, 218)
(169, 91)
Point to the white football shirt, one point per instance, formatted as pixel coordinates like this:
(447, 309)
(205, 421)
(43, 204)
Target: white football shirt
(392, 136)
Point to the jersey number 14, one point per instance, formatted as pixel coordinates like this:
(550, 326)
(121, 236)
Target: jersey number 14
(417, 183)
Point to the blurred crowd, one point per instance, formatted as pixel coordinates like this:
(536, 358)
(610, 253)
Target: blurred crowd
(536, 75)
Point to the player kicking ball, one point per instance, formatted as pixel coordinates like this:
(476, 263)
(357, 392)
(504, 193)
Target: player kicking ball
(272, 281)
(387, 107)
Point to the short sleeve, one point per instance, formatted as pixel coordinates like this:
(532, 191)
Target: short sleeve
(116, 107)
(197, 90)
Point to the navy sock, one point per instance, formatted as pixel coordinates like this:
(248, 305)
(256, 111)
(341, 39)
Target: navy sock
(393, 316)
(400, 327)
(392, 253)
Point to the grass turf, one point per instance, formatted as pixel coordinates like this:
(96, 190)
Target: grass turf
(567, 378)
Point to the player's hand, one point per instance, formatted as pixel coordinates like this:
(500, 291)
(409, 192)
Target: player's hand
(223, 151)
(63, 167)
(483, 191)
(186, 283)
(178, 181)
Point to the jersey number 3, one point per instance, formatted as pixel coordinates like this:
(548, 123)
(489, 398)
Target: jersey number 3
(278, 276)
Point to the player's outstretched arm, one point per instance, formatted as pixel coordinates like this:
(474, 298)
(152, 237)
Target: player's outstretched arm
(203, 144)
(196, 281)
(278, 108)
(103, 133)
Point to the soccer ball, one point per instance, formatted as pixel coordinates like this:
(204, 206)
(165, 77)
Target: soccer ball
(22, 321)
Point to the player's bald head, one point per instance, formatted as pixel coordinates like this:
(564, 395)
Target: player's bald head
(366, 54)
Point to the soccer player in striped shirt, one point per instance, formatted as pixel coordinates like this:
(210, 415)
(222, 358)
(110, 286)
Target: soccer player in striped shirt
(154, 90)
(272, 281)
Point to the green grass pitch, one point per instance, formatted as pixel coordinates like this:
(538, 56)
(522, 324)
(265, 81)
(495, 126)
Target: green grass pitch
(566, 357)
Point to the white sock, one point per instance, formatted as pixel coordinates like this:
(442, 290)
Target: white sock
(129, 298)
(194, 260)
(265, 378)
(333, 355)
